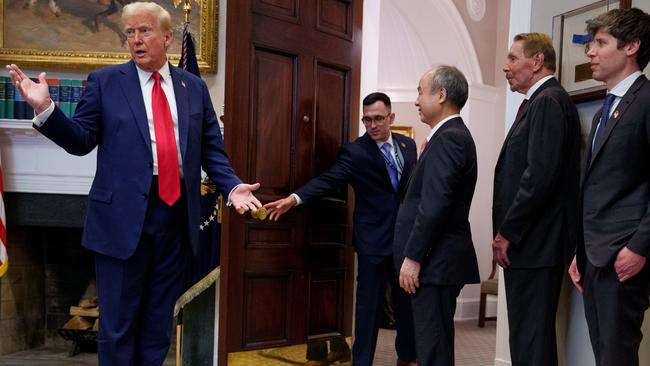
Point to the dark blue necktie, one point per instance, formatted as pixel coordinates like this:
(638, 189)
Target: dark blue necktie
(604, 116)
(390, 165)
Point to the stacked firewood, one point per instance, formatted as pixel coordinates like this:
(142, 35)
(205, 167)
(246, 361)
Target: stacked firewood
(85, 316)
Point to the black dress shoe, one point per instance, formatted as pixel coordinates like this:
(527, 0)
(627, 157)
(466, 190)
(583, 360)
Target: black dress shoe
(405, 363)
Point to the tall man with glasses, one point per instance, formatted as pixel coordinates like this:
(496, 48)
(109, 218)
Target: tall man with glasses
(377, 165)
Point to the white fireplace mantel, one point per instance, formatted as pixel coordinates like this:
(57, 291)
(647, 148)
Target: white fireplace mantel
(33, 164)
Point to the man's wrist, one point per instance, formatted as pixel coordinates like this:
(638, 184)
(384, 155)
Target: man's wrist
(296, 199)
(43, 107)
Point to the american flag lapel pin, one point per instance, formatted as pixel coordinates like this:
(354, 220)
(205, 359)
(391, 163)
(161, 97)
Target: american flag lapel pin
(183, 83)
(401, 144)
(615, 114)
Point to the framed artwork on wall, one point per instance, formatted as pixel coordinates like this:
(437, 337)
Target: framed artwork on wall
(572, 42)
(85, 35)
(403, 130)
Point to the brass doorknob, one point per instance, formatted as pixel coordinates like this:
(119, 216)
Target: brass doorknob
(260, 214)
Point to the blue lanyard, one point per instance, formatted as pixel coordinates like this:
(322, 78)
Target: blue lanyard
(400, 164)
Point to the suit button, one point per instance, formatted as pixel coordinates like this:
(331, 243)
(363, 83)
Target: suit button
(150, 164)
(144, 196)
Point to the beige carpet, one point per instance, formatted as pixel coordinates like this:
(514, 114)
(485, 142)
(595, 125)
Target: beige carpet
(474, 347)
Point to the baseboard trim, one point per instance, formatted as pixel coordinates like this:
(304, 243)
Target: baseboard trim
(467, 309)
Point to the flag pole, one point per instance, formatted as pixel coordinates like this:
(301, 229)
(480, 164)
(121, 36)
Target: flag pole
(187, 8)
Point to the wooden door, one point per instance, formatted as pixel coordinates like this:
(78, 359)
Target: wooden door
(292, 85)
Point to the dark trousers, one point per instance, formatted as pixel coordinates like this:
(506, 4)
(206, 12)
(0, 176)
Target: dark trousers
(614, 312)
(433, 314)
(137, 295)
(373, 272)
(532, 296)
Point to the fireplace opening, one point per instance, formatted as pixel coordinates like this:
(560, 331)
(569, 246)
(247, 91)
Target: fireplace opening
(49, 273)
(49, 270)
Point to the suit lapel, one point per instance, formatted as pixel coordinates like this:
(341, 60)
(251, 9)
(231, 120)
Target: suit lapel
(182, 106)
(130, 84)
(377, 158)
(399, 141)
(616, 116)
(449, 124)
(514, 126)
(520, 116)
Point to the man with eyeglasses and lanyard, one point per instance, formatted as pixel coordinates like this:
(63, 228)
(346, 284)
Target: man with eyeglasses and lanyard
(377, 165)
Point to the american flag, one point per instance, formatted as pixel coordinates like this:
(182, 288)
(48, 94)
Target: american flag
(4, 259)
(207, 257)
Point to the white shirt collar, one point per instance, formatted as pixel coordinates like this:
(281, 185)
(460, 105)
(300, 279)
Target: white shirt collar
(145, 76)
(437, 126)
(624, 85)
(389, 141)
(536, 86)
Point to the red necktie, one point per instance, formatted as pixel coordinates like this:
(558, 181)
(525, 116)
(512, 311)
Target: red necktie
(423, 146)
(168, 177)
(521, 109)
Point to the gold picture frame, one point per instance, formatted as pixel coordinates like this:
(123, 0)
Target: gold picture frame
(79, 38)
(403, 130)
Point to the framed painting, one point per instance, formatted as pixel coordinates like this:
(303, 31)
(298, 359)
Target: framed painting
(403, 130)
(85, 35)
(572, 43)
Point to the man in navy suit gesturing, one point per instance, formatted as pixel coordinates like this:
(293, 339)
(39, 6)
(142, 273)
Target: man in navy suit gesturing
(154, 128)
(377, 165)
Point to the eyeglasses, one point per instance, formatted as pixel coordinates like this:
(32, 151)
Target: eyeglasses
(379, 119)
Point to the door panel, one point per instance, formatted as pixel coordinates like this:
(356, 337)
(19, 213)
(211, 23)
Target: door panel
(283, 9)
(332, 104)
(273, 97)
(267, 308)
(325, 305)
(335, 17)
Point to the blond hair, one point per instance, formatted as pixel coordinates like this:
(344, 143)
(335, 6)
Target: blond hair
(164, 19)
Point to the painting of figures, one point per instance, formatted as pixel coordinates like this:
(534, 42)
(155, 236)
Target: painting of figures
(84, 34)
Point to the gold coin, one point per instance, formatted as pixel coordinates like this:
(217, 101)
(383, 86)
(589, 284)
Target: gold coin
(241, 211)
(254, 214)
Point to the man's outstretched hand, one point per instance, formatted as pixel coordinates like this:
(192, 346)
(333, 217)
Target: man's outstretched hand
(37, 95)
(279, 207)
(242, 198)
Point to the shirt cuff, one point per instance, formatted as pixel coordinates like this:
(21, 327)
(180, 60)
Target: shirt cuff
(297, 198)
(229, 203)
(39, 119)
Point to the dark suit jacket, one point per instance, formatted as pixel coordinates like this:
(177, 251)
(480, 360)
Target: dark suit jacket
(432, 223)
(362, 165)
(616, 184)
(536, 181)
(111, 115)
